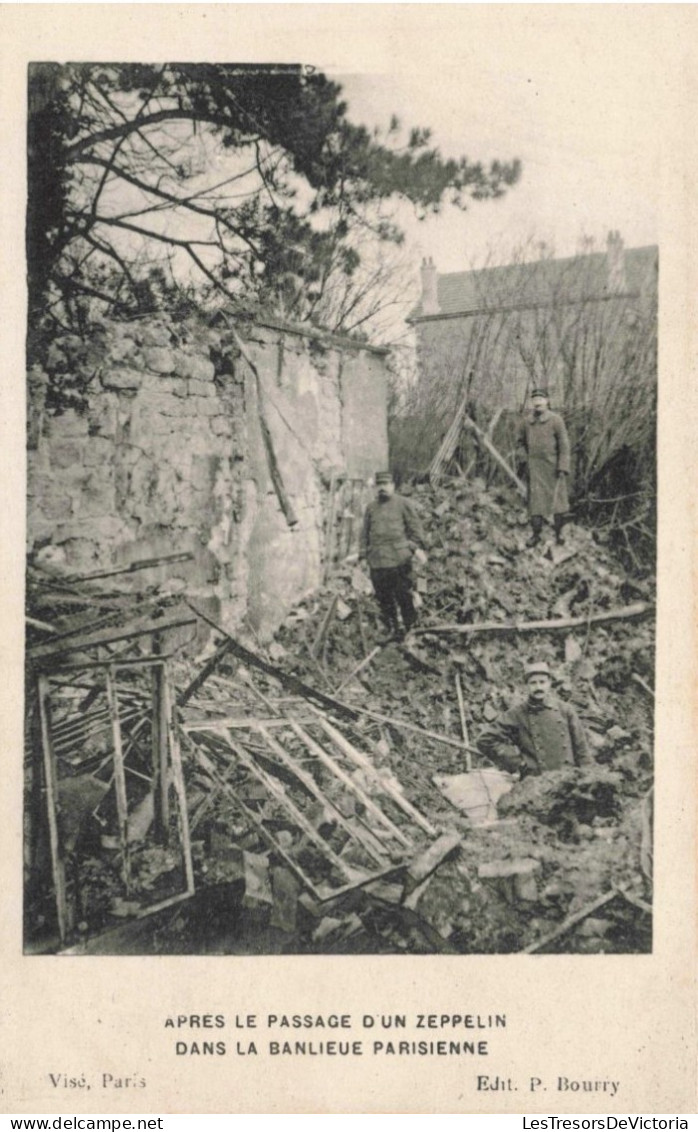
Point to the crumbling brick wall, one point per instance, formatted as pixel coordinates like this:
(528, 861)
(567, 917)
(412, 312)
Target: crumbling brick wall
(163, 452)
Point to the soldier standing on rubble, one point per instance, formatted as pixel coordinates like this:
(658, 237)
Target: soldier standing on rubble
(543, 437)
(540, 734)
(390, 525)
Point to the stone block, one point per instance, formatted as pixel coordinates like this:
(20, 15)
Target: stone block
(203, 472)
(83, 554)
(50, 497)
(221, 426)
(102, 415)
(120, 349)
(204, 406)
(66, 454)
(159, 359)
(69, 424)
(97, 451)
(155, 334)
(194, 366)
(175, 387)
(201, 388)
(122, 378)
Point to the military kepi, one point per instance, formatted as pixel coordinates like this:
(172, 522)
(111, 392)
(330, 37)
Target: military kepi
(537, 668)
(384, 477)
(540, 393)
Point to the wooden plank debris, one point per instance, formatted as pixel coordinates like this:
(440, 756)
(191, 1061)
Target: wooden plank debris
(310, 784)
(496, 455)
(638, 609)
(463, 724)
(168, 710)
(359, 668)
(349, 782)
(50, 778)
(203, 674)
(573, 920)
(385, 784)
(131, 631)
(284, 678)
(119, 779)
(423, 866)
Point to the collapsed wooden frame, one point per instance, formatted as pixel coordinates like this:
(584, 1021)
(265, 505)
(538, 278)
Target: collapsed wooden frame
(60, 663)
(381, 841)
(221, 749)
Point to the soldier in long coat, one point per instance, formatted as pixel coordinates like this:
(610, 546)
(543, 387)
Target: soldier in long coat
(540, 734)
(390, 528)
(543, 438)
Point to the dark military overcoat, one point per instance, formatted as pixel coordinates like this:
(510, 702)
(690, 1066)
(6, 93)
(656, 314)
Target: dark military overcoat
(546, 444)
(532, 738)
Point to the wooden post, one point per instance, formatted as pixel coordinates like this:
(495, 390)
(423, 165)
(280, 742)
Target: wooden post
(362, 627)
(172, 739)
(119, 778)
(463, 724)
(329, 537)
(159, 747)
(50, 776)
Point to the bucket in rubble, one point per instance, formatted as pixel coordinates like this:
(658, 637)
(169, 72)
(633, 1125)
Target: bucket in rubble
(476, 794)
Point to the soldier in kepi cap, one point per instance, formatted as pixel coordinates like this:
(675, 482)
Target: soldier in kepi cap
(541, 733)
(543, 438)
(391, 527)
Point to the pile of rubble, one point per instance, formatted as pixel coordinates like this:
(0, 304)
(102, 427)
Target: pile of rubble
(335, 798)
(570, 837)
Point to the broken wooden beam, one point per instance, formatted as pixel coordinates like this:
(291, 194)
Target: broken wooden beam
(319, 641)
(202, 676)
(285, 678)
(141, 564)
(168, 712)
(496, 455)
(386, 785)
(392, 721)
(638, 609)
(51, 781)
(42, 625)
(349, 782)
(572, 921)
(428, 861)
(142, 627)
(245, 723)
(119, 779)
(463, 724)
(359, 668)
(642, 684)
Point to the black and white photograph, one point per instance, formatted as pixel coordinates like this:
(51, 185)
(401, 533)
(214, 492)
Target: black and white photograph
(343, 408)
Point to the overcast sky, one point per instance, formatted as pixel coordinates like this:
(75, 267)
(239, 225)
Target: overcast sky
(579, 112)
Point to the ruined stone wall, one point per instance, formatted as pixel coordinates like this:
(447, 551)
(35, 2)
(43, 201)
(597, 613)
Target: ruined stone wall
(164, 452)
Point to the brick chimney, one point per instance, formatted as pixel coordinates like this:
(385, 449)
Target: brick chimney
(615, 260)
(430, 301)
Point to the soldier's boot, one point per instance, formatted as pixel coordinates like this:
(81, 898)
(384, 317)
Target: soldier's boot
(559, 522)
(536, 530)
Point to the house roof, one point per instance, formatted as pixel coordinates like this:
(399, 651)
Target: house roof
(539, 282)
